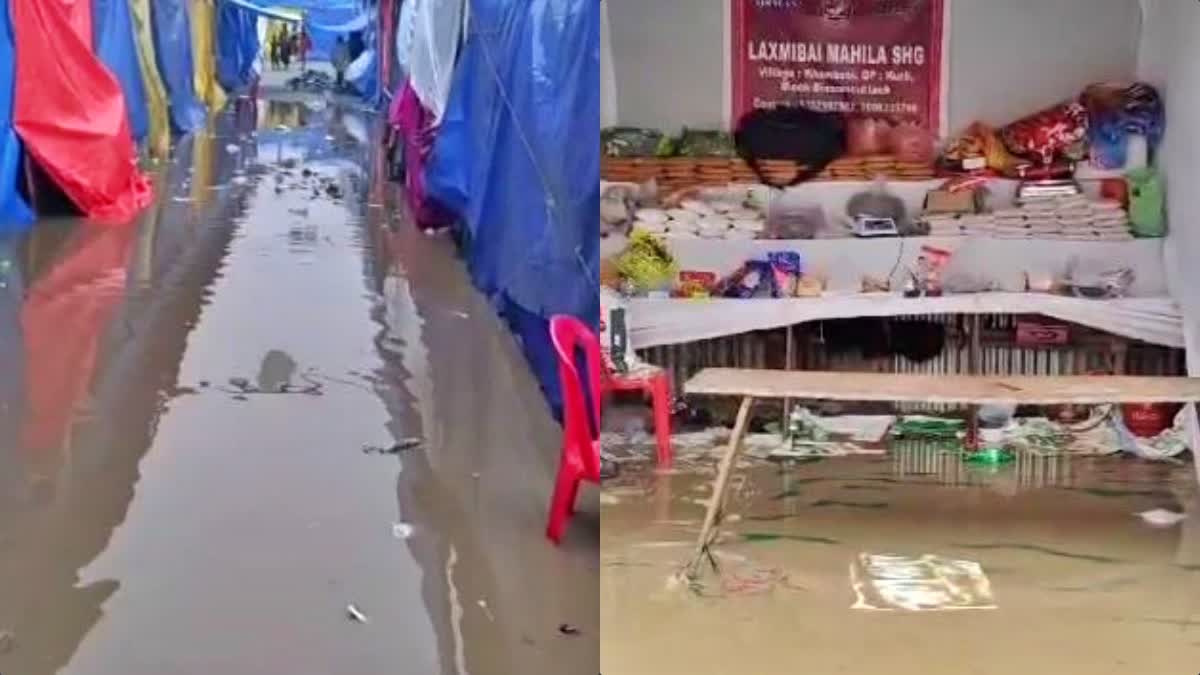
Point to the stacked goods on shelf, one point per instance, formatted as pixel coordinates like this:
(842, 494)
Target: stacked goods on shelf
(629, 169)
(871, 167)
(724, 218)
(1074, 218)
(706, 158)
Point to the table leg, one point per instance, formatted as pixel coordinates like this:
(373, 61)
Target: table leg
(716, 506)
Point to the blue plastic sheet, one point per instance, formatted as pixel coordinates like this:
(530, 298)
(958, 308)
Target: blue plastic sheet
(323, 26)
(15, 214)
(237, 45)
(112, 30)
(173, 47)
(515, 160)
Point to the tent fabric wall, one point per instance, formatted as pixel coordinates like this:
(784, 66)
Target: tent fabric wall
(117, 49)
(386, 45)
(511, 160)
(15, 214)
(173, 49)
(204, 57)
(237, 45)
(438, 32)
(70, 112)
(157, 104)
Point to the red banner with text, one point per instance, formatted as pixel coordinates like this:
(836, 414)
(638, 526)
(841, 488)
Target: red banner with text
(872, 58)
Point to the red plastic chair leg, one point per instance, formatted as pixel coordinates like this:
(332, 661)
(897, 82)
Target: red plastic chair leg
(562, 504)
(662, 420)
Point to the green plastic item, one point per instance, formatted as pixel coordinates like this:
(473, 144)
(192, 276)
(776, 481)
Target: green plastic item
(1147, 203)
(928, 428)
(991, 456)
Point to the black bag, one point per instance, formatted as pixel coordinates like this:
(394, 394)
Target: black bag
(809, 138)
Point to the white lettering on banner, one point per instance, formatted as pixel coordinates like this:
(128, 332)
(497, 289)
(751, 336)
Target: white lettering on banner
(857, 55)
(793, 52)
(835, 53)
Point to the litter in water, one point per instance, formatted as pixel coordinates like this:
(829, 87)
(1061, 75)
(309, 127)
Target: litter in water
(486, 610)
(232, 149)
(925, 584)
(402, 530)
(401, 446)
(355, 614)
(1162, 517)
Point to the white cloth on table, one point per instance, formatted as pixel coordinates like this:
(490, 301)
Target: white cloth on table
(653, 323)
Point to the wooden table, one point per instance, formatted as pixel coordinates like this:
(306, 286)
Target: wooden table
(882, 387)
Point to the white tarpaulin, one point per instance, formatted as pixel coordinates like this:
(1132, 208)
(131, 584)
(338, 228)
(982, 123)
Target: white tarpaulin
(405, 29)
(438, 31)
(655, 323)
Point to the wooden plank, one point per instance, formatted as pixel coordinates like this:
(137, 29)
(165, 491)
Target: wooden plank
(875, 387)
(716, 507)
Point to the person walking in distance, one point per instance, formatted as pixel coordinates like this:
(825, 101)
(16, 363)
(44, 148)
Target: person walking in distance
(341, 60)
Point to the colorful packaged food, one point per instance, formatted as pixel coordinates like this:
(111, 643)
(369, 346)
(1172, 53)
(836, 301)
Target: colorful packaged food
(1059, 131)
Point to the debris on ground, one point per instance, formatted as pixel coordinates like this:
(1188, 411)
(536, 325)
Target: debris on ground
(7, 641)
(1162, 517)
(486, 610)
(403, 445)
(569, 630)
(317, 82)
(355, 614)
(402, 530)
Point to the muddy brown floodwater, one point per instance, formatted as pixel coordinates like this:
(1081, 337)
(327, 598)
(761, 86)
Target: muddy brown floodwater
(188, 409)
(909, 564)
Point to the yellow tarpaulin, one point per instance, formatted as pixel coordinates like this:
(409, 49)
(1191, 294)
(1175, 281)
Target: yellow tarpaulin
(159, 140)
(203, 170)
(204, 55)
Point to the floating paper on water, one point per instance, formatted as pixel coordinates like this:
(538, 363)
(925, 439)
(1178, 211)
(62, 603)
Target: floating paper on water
(919, 584)
(1162, 517)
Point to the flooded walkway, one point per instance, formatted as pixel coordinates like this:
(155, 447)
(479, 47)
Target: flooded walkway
(909, 564)
(195, 469)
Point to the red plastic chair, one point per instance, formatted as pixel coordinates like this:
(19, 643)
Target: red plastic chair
(655, 385)
(581, 446)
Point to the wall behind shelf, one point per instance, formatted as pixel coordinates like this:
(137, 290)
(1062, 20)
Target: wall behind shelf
(1170, 52)
(1007, 57)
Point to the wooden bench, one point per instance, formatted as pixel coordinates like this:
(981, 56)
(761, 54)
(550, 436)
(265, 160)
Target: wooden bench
(881, 387)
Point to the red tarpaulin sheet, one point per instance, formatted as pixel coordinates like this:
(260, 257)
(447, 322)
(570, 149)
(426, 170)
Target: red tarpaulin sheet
(66, 313)
(70, 110)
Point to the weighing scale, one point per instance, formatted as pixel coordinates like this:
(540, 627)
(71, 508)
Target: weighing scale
(870, 226)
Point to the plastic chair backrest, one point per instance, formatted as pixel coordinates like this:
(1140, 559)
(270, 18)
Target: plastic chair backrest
(569, 336)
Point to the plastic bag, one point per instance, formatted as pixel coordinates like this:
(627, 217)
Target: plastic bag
(1094, 278)
(877, 203)
(794, 221)
(965, 272)
(1117, 111)
(1055, 132)
(695, 143)
(868, 136)
(1147, 203)
(911, 143)
(630, 142)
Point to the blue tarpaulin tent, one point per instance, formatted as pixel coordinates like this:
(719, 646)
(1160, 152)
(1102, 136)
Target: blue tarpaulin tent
(515, 160)
(14, 212)
(112, 29)
(173, 47)
(237, 45)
